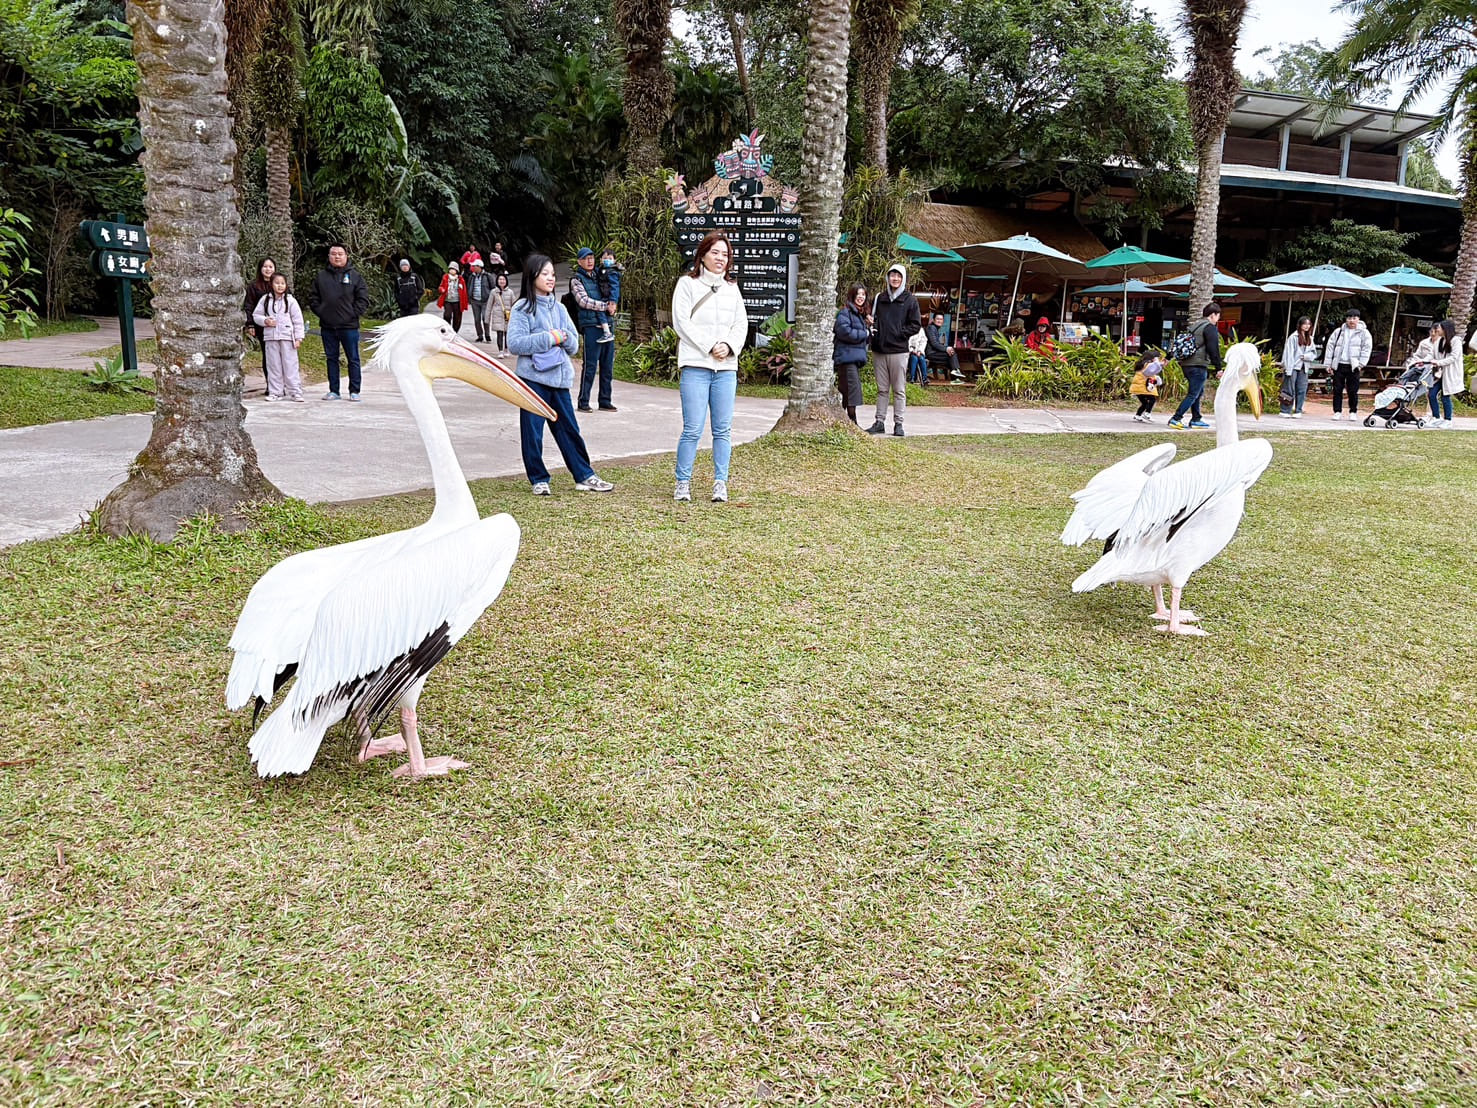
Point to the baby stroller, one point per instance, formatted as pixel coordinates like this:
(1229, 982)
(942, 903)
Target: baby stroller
(1396, 404)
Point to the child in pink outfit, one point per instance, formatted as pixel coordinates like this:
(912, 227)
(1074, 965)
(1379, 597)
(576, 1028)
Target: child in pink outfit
(281, 320)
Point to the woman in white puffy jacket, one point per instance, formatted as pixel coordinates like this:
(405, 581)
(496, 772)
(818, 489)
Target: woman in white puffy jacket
(712, 323)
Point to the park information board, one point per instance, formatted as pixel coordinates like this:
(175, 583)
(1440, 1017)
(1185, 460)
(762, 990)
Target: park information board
(756, 213)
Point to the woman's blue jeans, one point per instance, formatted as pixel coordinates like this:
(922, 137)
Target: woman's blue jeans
(1195, 388)
(1433, 396)
(917, 369)
(706, 395)
(1298, 379)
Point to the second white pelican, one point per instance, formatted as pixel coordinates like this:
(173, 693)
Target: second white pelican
(1160, 522)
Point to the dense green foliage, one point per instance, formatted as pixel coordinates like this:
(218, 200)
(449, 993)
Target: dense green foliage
(875, 209)
(69, 136)
(1025, 94)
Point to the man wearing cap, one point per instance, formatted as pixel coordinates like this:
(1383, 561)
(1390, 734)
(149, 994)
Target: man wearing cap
(1348, 352)
(339, 298)
(409, 289)
(479, 292)
(599, 357)
(895, 320)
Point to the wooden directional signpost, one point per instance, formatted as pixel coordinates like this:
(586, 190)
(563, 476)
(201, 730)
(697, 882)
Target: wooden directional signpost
(121, 251)
(758, 215)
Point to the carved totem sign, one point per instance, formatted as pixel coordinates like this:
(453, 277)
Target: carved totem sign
(758, 215)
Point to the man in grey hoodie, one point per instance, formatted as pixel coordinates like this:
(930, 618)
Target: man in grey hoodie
(895, 320)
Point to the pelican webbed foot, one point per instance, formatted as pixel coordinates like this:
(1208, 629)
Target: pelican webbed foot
(391, 744)
(419, 765)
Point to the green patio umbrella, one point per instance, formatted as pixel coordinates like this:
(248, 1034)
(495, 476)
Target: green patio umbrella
(1402, 279)
(925, 253)
(1133, 261)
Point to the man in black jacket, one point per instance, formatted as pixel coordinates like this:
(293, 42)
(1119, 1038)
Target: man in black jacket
(895, 319)
(1197, 366)
(409, 289)
(339, 299)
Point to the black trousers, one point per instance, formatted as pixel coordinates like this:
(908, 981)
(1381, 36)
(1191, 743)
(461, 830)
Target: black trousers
(1346, 379)
(1146, 403)
(452, 313)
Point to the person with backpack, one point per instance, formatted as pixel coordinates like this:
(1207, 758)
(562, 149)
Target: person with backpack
(1197, 350)
(479, 292)
(281, 320)
(409, 289)
(896, 318)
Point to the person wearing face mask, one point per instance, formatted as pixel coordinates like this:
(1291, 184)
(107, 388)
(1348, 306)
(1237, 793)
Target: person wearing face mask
(711, 322)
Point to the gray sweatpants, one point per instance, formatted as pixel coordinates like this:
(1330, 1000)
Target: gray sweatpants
(892, 378)
(279, 361)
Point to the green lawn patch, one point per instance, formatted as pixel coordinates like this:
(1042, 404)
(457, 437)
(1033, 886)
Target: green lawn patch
(47, 327)
(833, 794)
(33, 396)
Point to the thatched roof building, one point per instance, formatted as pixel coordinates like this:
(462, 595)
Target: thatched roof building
(955, 225)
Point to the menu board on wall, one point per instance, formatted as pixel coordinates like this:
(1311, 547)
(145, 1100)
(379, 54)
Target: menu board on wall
(756, 213)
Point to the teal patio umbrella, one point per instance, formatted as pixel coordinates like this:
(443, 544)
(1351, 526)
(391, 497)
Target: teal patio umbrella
(1401, 279)
(1223, 282)
(1324, 279)
(926, 253)
(1132, 287)
(1132, 261)
(1017, 248)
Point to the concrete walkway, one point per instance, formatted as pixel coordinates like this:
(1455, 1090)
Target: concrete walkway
(73, 350)
(335, 451)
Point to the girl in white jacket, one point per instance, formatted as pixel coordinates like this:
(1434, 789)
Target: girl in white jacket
(1443, 351)
(281, 320)
(712, 323)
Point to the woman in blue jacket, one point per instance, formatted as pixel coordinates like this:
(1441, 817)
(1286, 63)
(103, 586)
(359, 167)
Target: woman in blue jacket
(853, 330)
(543, 336)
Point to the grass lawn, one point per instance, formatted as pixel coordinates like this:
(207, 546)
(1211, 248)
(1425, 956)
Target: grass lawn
(832, 794)
(47, 327)
(32, 396)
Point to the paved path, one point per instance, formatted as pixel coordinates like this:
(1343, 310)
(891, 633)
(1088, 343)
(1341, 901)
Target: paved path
(334, 451)
(73, 350)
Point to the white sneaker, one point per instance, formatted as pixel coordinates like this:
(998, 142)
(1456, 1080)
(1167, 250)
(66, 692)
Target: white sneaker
(1297, 415)
(682, 491)
(541, 488)
(593, 483)
(1285, 415)
(720, 492)
(1338, 417)
(1148, 418)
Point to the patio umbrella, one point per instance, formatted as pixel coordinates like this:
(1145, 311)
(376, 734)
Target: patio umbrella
(1270, 289)
(1132, 287)
(1131, 261)
(1324, 279)
(1223, 282)
(1017, 248)
(1402, 279)
(925, 253)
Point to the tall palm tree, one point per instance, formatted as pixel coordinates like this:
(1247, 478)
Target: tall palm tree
(644, 27)
(878, 30)
(812, 388)
(199, 458)
(1213, 26)
(1430, 43)
(277, 98)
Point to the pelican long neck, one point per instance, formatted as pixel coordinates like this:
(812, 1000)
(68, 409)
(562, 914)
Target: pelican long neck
(453, 498)
(1226, 432)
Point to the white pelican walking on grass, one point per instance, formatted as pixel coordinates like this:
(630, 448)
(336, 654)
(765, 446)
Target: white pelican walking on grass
(1160, 522)
(360, 625)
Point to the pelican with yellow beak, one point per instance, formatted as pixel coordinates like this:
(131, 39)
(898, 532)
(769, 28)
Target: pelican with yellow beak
(1159, 522)
(360, 625)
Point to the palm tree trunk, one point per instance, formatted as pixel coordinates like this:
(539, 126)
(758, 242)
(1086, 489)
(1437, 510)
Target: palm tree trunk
(812, 406)
(879, 38)
(279, 197)
(645, 27)
(199, 458)
(1207, 218)
(741, 65)
(1464, 281)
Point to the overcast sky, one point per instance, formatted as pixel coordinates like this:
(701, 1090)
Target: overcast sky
(1276, 23)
